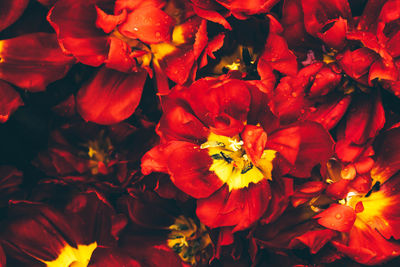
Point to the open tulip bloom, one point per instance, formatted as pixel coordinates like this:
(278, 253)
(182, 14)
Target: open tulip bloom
(177, 133)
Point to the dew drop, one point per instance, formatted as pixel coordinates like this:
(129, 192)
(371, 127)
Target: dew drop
(338, 216)
(158, 34)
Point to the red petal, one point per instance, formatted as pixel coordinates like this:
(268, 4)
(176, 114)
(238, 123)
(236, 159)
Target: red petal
(36, 232)
(10, 11)
(201, 39)
(367, 246)
(254, 139)
(239, 208)
(213, 45)
(156, 160)
(249, 7)
(317, 13)
(149, 24)
(330, 112)
(281, 191)
(338, 190)
(213, 16)
(10, 100)
(147, 210)
(383, 71)
(222, 105)
(357, 63)
(111, 96)
(108, 22)
(325, 80)
(119, 56)
(92, 217)
(393, 46)
(300, 144)
(370, 15)
(337, 217)
(33, 61)
(10, 179)
(286, 141)
(189, 167)
(388, 160)
(75, 24)
(179, 123)
(316, 146)
(315, 240)
(178, 64)
(335, 36)
(104, 257)
(278, 56)
(365, 120)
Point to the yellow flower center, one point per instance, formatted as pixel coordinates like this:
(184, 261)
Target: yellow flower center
(73, 257)
(232, 165)
(99, 150)
(373, 204)
(188, 239)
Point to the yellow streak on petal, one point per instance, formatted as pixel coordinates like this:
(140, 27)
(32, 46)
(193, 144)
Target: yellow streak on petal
(161, 50)
(77, 257)
(374, 205)
(178, 36)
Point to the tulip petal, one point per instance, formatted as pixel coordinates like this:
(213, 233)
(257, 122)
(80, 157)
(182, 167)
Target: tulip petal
(239, 207)
(10, 100)
(111, 96)
(10, 11)
(32, 61)
(75, 24)
(149, 24)
(189, 169)
(337, 217)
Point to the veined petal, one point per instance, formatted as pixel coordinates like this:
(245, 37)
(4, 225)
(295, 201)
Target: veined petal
(239, 208)
(111, 96)
(367, 246)
(32, 61)
(189, 169)
(75, 24)
(222, 105)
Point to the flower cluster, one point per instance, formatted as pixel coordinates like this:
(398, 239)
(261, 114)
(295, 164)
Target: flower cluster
(167, 133)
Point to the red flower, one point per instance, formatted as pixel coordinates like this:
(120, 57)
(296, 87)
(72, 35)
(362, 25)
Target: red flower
(332, 23)
(160, 235)
(38, 235)
(369, 219)
(214, 150)
(89, 154)
(168, 36)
